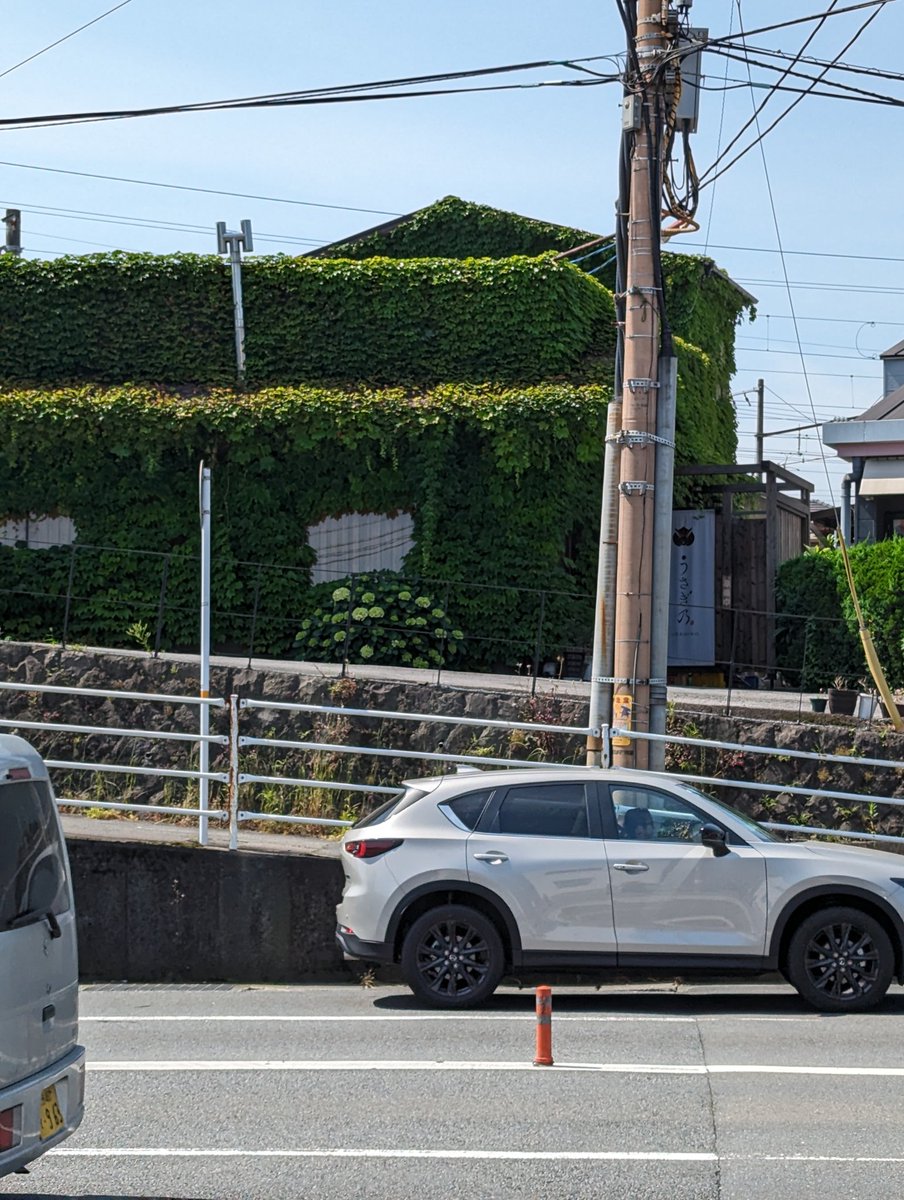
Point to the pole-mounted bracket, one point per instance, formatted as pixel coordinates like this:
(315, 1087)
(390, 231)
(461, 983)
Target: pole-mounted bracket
(631, 682)
(635, 487)
(638, 437)
(642, 385)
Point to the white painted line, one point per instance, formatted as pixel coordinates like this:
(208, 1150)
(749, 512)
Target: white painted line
(510, 1155)
(476, 1155)
(196, 1065)
(526, 1017)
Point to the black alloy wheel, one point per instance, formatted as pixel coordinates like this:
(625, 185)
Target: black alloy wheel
(452, 957)
(840, 960)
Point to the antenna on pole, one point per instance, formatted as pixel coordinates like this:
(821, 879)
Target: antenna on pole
(232, 242)
(13, 223)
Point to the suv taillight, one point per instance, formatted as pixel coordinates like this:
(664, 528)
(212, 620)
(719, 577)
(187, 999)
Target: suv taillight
(372, 848)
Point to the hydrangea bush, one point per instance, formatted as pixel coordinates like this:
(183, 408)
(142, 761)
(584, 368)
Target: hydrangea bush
(379, 618)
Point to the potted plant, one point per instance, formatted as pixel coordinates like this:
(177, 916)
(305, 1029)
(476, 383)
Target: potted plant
(842, 697)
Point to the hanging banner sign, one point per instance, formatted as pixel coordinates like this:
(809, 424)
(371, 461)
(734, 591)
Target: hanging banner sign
(692, 587)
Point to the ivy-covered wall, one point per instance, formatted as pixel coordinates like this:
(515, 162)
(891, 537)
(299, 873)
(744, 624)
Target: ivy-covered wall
(168, 320)
(703, 305)
(499, 481)
(469, 391)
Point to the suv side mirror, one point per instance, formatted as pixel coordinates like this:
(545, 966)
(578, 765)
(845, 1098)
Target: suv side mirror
(716, 838)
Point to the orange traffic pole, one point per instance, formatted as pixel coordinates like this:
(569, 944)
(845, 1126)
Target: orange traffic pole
(544, 1027)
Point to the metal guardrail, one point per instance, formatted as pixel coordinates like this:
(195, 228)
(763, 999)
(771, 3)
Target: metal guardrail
(234, 779)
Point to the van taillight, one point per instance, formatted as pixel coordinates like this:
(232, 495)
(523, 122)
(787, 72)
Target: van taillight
(9, 1137)
(18, 773)
(372, 848)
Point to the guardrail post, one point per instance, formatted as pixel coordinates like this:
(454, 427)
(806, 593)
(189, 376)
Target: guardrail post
(233, 786)
(606, 746)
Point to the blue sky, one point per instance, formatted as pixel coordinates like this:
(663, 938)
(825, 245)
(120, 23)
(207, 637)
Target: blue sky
(834, 167)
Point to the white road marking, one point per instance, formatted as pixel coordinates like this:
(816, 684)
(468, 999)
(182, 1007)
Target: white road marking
(476, 1155)
(560, 1018)
(528, 1155)
(194, 1065)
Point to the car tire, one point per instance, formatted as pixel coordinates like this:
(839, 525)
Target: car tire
(840, 960)
(452, 957)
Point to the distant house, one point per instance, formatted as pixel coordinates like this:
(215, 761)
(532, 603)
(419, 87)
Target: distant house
(872, 501)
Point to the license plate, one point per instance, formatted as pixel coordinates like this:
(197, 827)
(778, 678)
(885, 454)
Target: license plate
(52, 1120)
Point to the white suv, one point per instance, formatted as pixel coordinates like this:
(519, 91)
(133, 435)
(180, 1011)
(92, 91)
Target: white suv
(465, 878)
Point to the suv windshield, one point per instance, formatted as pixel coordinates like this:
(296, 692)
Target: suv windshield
(32, 875)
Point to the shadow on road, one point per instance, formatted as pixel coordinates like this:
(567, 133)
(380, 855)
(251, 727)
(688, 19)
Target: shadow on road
(777, 1003)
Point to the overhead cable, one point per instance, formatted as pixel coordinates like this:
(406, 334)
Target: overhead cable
(182, 187)
(65, 38)
(339, 94)
(761, 133)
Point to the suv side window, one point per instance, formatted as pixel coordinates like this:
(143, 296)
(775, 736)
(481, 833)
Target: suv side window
(645, 814)
(543, 810)
(465, 811)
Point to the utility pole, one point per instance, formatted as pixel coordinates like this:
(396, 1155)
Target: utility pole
(637, 437)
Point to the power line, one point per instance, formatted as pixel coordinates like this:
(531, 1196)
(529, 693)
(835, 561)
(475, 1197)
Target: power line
(800, 253)
(878, 5)
(808, 353)
(850, 68)
(60, 41)
(772, 92)
(180, 187)
(843, 91)
(75, 214)
(828, 320)
(836, 12)
(813, 286)
(339, 94)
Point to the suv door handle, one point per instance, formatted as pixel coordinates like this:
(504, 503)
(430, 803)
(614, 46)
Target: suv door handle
(631, 867)
(491, 856)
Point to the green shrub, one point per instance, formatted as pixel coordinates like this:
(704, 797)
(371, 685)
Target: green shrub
(379, 618)
(813, 641)
(817, 631)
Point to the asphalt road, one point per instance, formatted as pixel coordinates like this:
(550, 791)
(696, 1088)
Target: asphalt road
(735, 1093)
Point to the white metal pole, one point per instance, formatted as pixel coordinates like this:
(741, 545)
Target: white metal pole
(662, 556)
(235, 262)
(233, 772)
(204, 755)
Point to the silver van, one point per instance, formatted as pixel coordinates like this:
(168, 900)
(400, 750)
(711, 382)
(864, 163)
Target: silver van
(42, 1067)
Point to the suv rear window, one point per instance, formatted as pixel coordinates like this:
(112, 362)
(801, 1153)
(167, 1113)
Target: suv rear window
(389, 808)
(465, 811)
(32, 875)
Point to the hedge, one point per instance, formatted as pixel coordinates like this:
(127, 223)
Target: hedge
(818, 634)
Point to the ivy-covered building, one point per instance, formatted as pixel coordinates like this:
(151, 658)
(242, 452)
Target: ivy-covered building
(449, 370)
